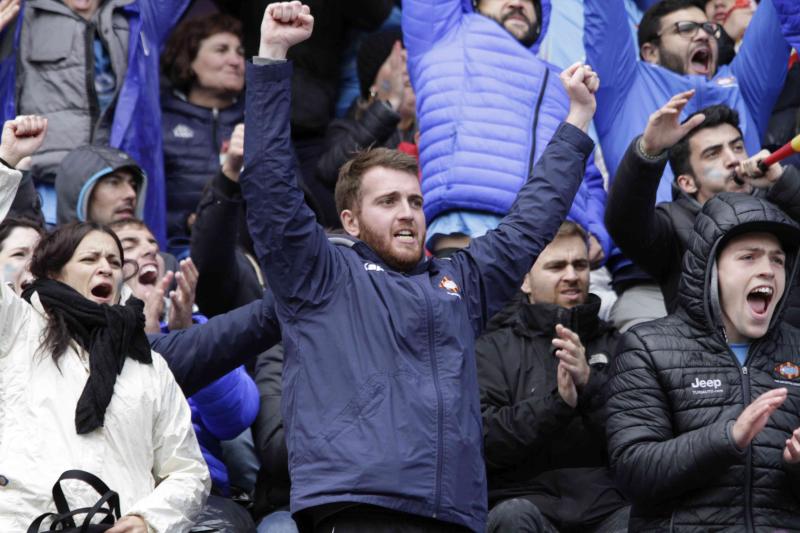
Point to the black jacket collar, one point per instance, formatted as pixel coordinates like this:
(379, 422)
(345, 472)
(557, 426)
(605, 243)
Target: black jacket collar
(541, 319)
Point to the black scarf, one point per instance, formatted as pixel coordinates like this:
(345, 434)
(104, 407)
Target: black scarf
(110, 333)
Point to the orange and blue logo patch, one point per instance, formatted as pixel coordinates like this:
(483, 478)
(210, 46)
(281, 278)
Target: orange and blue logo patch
(450, 286)
(788, 370)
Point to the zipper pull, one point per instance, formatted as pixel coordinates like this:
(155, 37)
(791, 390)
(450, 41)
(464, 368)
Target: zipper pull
(744, 370)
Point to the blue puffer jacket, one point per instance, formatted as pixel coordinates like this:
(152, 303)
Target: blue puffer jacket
(136, 128)
(193, 137)
(631, 90)
(221, 411)
(380, 389)
(487, 107)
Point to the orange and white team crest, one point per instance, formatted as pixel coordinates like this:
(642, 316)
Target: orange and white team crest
(788, 370)
(450, 286)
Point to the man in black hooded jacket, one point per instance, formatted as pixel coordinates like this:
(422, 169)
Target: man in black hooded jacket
(704, 408)
(542, 376)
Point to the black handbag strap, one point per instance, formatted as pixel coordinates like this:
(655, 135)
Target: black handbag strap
(90, 479)
(112, 511)
(36, 524)
(66, 517)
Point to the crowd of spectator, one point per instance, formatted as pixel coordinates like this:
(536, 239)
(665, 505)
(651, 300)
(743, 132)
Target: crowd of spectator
(384, 266)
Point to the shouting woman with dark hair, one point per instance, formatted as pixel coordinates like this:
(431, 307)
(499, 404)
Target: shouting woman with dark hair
(204, 64)
(80, 388)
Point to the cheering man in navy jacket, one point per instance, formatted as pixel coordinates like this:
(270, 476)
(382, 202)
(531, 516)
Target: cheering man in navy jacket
(381, 401)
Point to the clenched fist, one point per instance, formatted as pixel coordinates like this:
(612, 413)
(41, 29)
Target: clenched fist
(285, 24)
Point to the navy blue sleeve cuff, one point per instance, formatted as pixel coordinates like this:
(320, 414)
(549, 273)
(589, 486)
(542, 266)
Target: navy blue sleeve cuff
(576, 137)
(269, 72)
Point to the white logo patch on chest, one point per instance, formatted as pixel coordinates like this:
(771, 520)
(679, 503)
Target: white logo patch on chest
(707, 386)
(182, 131)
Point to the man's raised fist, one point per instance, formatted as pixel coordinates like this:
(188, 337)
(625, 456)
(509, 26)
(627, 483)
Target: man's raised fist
(285, 24)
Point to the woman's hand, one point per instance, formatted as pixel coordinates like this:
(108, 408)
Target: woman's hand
(129, 524)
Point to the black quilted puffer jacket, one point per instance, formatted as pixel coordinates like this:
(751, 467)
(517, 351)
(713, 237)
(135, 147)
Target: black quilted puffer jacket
(677, 388)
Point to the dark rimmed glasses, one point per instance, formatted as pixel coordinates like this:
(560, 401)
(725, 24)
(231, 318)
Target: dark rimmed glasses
(689, 28)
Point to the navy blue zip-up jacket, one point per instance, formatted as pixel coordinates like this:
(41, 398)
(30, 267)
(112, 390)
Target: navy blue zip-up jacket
(381, 402)
(193, 136)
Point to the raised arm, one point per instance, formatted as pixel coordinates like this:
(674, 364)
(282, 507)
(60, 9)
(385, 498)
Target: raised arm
(214, 239)
(611, 51)
(493, 266)
(291, 246)
(589, 209)
(762, 62)
(160, 16)
(20, 138)
(425, 22)
(641, 232)
(226, 279)
(348, 135)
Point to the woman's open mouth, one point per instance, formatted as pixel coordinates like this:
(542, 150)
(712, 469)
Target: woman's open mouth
(102, 291)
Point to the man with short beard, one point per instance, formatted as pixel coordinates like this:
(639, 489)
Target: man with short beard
(678, 47)
(380, 393)
(542, 376)
(487, 106)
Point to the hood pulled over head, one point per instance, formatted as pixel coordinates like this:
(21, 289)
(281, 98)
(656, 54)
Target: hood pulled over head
(80, 171)
(722, 218)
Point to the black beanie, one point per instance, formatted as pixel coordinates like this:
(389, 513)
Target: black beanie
(373, 52)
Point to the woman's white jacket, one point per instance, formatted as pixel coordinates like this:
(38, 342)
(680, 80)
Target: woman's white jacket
(146, 451)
